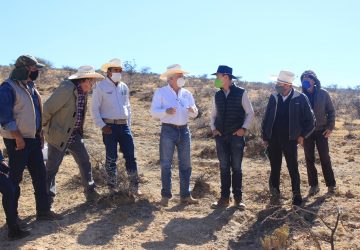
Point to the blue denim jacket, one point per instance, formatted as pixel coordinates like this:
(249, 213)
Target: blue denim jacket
(7, 100)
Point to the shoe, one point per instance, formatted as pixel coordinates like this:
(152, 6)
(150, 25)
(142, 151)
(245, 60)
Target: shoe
(48, 215)
(164, 201)
(92, 196)
(188, 200)
(314, 190)
(238, 203)
(332, 190)
(297, 200)
(16, 233)
(221, 203)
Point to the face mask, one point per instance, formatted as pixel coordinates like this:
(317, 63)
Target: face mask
(180, 82)
(34, 75)
(279, 89)
(218, 83)
(116, 77)
(306, 84)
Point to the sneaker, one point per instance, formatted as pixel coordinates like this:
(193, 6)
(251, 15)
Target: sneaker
(238, 203)
(164, 201)
(221, 203)
(332, 190)
(92, 196)
(188, 200)
(48, 215)
(314, 190)
(16, 233)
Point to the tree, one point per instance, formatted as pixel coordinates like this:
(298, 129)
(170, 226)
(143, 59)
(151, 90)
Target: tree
(145, 70)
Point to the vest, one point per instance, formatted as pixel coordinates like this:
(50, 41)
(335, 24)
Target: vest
(230, 112)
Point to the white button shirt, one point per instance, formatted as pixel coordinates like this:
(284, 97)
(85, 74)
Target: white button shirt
(165, 98)
(110, 101)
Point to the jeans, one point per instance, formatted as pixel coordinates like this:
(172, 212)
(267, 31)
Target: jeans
(169, 138)
(81, 156)
(230, 150)
(317, 138)
(121, 135)
(8, 199)
(31, 157)
(278, 147)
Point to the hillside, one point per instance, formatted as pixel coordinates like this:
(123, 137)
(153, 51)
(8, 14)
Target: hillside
(120, 222)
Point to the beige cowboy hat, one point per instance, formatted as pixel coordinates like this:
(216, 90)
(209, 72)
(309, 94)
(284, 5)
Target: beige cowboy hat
(284, 76)
(113, 63)
(172, 69)
(86, 72)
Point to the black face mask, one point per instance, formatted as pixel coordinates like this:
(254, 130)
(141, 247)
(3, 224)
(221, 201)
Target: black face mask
(34, 75)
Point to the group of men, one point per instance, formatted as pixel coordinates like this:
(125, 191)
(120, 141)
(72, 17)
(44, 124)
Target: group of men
(289, 120)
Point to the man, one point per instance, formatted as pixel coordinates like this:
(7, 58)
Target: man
(8, 192)
(173, 105)
(325, 122)
(63, 121)
(231, 116)
(111, 112)
(20, 119)
(288, 120)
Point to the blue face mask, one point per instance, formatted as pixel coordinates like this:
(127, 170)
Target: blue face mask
(306, 84)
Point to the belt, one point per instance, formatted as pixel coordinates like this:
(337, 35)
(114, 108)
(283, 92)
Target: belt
(115, 121)
(174, 126)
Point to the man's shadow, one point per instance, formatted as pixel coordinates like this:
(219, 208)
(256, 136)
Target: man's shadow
(194, 231)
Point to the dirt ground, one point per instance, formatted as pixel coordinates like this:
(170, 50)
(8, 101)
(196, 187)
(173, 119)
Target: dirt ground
(120, 222)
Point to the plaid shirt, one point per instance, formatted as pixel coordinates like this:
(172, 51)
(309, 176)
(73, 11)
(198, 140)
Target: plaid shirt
(80, 113)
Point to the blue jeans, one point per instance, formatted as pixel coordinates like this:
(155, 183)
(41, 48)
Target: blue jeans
(121, 135)
(230, 150)
(32, 158)
(8, 199)
(81, 156)
(169, 138)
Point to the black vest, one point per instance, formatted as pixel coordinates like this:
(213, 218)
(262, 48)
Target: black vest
(230, 112)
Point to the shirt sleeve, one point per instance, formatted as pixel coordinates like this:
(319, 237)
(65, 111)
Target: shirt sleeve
(95, 107)
(157, 109)
(7, 101)
(192, 105)
(213, 114)
(128, 106)
(248, 110)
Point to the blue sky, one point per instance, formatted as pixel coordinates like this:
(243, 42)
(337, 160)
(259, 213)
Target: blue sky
(255, 38)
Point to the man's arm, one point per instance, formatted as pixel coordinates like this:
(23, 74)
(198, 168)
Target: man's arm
(157, 110)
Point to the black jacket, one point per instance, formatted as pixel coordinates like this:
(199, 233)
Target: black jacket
(301, 117)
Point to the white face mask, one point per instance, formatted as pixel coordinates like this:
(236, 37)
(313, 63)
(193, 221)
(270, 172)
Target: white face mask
(180, 82)
(116, 77)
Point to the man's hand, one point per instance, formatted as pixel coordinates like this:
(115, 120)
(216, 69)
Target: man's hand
(3, 163)
(106, 130)
(20, 143)
(191, 110)
(300, 141)
(239, 132)
(327, 133)
(216, 132)
(171, 111)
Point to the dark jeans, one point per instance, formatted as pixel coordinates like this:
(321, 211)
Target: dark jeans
(170, 138)
(81, 156)
(31, 157)
(8, 199)
(317, 138)
(230, 150)
(278, 147)
(121, 135)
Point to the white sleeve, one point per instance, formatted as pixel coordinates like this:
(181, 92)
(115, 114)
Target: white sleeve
(213, 114)
(95, 107)
(157, 109)
(128, 106)
(248, 110)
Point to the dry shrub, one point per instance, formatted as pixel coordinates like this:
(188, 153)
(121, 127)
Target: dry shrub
(208, 153)
(201, 187)
(278, 240)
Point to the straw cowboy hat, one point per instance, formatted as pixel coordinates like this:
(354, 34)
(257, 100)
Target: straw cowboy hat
(86, 72)
(171, 70)
(286, 77)
(113, 63)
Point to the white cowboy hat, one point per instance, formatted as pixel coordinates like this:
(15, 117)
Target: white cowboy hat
(86, 72)
(284, 76)
(172, 69)
(113, 63)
